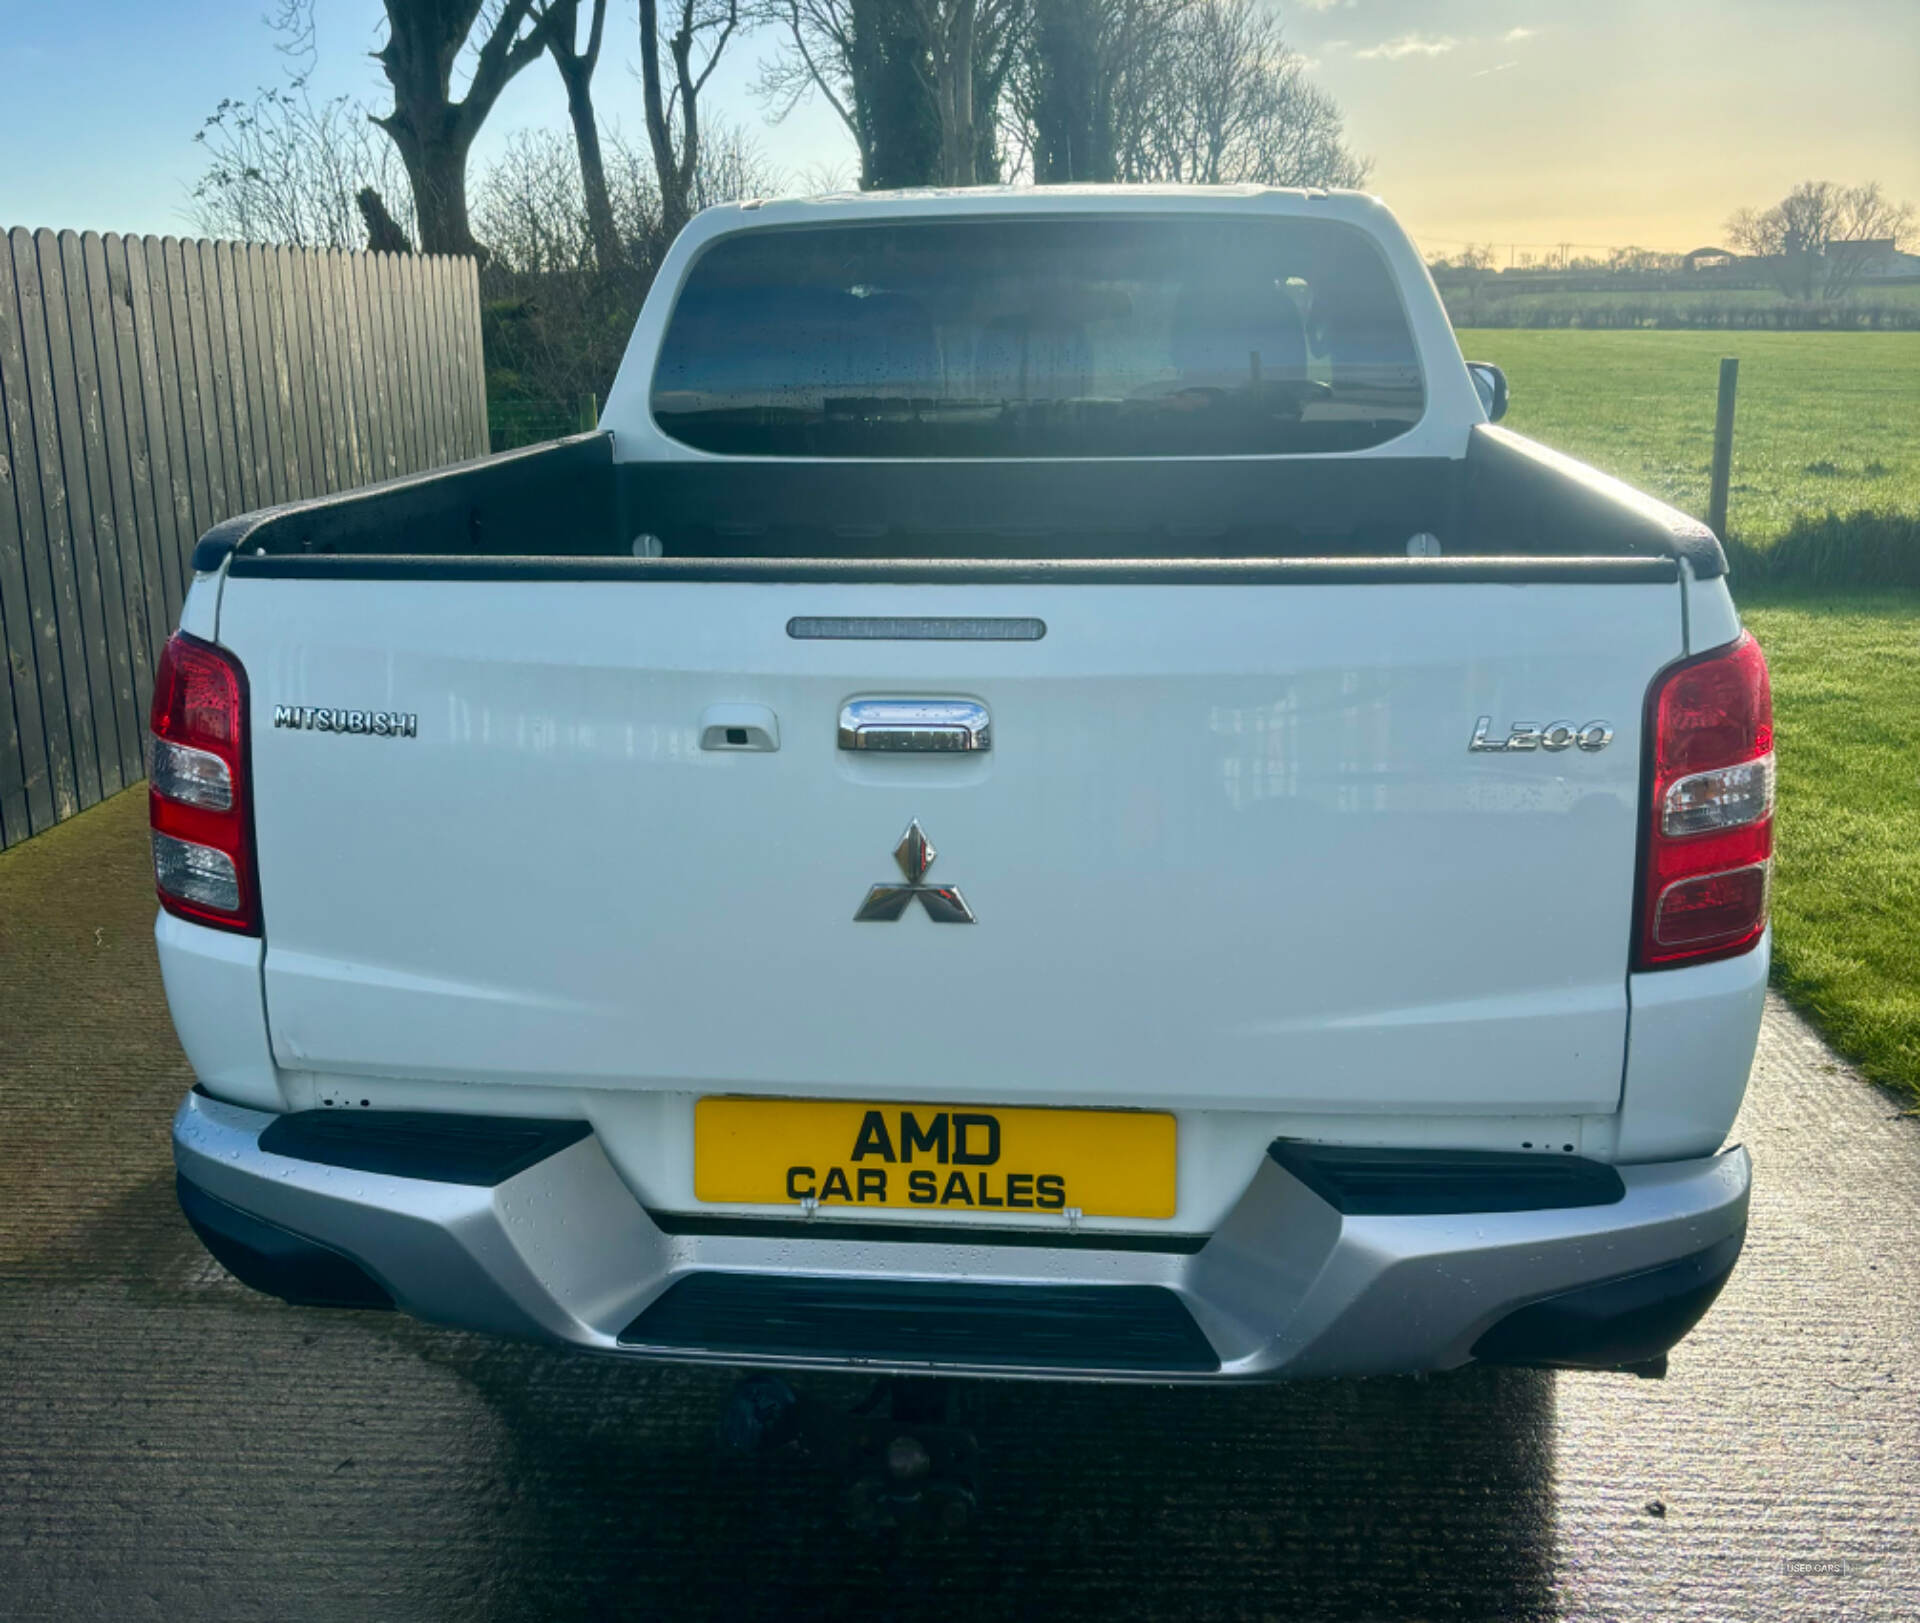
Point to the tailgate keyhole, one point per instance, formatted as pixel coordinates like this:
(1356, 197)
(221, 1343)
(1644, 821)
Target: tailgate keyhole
(739, 727)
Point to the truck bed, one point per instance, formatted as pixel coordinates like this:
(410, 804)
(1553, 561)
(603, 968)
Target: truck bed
(1509, 498)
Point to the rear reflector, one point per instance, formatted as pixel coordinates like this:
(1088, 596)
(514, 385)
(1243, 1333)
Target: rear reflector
(195, 873)
(1713, 907)
(1707, 855)
(197, 787)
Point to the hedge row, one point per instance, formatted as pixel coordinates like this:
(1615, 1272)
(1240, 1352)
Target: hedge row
(1546, 310)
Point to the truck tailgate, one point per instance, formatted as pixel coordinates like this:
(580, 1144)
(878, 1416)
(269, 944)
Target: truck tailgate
(1229, 849)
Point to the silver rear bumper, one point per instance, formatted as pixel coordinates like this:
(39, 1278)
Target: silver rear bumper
(1287, 1286)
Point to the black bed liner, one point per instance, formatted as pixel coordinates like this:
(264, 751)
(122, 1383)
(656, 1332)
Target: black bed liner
(975, 571)
(1511, 510)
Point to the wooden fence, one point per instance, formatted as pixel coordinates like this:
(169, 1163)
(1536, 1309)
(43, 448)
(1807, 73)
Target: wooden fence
(151, 387)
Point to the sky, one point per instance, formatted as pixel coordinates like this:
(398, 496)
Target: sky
(1520, 123)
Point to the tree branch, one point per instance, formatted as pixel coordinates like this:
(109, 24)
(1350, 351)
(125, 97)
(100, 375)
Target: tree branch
(503, 56)
(719, 45)
(819, 78)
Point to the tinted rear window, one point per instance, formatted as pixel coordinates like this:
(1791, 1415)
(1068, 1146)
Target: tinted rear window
(1039, 338)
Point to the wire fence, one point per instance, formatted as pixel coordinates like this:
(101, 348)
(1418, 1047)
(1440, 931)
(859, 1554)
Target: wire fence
(512, 423)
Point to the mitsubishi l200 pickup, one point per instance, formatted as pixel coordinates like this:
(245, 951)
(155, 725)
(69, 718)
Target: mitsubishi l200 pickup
(1048, 796)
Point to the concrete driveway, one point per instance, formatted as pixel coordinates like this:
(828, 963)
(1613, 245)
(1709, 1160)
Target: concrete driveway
(174, 1446)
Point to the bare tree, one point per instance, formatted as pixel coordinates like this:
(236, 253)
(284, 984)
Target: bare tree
(286, 168)
(824, 177)
(1085, 73)
(1633, 258)
(1233, 103)
(863, 58)
(283, 167)
(818, 57)
(556, 324)
(997, 51)
(530, 207)
(701, 28)
(733, 166)
(962, 52)
(576, 64)
(1817, 237)
(1183, 90)
(949, 35)
(1472, 257)
(918, 83)
(1137, 90)
(425, 38)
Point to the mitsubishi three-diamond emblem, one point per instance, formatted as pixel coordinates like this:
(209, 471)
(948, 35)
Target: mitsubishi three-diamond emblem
(915, 854)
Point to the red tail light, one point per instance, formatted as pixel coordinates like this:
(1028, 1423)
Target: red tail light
(1708, 854)
(197, 787)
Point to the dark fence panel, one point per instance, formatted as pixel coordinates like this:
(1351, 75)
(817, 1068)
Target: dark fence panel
(150, 388)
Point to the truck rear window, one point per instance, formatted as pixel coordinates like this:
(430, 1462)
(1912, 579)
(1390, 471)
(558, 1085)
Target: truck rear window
(1090, 337)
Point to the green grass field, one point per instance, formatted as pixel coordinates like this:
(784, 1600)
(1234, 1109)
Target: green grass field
(1826, 420)
(1846, 900)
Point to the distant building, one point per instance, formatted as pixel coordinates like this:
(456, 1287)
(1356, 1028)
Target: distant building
(1880, 258)
(1870, 257)
(1710, 259)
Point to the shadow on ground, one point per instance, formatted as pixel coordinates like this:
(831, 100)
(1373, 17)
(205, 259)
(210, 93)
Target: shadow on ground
(1339, 1499)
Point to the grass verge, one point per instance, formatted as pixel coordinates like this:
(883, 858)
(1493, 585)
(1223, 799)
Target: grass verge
(1825, 420)
(1846, 902)
(1834, 552)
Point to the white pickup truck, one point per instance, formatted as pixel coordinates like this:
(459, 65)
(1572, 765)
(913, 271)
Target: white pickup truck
(1048, 796)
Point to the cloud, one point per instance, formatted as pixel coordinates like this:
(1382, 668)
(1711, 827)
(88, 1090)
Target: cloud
(1498, 67)
(1323, 5)
(1404, 45)
(1513, 36)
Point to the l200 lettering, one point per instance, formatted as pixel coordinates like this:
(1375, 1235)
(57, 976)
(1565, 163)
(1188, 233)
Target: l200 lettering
(1555, 736)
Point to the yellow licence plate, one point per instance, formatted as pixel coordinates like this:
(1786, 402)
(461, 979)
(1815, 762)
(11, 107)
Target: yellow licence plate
(937, 1158)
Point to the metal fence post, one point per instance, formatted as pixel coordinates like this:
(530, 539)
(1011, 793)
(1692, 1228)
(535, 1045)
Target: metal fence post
(1722, 447)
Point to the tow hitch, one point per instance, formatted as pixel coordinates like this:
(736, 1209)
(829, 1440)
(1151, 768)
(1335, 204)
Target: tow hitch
(902, 1459)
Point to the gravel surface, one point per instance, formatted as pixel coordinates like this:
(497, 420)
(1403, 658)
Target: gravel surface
(176, 1446)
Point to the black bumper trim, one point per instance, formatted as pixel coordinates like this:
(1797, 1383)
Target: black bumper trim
(275, 1260)
(827, 1228)
(440, 1146)
(1634, 1319)
(1365, 1182)
(1141, 1328)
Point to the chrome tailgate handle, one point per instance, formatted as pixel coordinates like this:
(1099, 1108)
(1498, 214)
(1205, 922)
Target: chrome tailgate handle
(915, 726)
